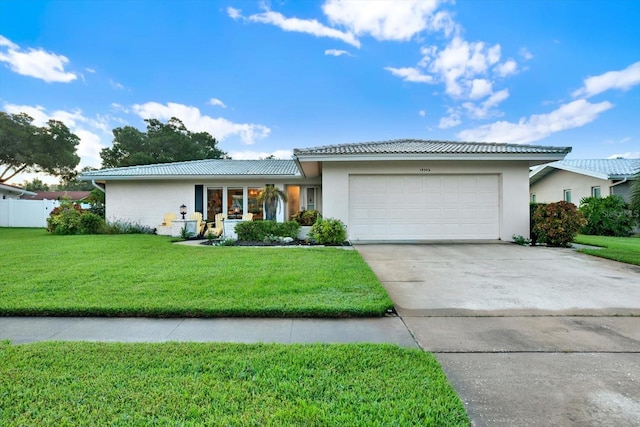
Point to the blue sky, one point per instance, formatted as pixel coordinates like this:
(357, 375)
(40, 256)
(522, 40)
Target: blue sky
(267, 77)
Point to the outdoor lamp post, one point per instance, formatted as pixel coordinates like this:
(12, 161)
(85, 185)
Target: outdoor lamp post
(183, 210)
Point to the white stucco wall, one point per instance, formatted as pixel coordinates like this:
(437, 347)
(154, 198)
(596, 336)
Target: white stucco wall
(146, 202)
(551, 187)
(513, 181)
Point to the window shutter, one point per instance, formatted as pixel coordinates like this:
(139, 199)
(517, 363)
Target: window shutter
(199, 197)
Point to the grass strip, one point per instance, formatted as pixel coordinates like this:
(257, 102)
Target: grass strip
(62, 383)
(622, 249)
(145, 275)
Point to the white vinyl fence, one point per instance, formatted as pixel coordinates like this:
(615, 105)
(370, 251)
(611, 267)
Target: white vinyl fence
(25, 213)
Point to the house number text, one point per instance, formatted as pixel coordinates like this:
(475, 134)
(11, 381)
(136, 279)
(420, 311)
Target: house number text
(425, 170)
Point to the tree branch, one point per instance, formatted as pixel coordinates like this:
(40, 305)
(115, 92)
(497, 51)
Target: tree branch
(17, 171)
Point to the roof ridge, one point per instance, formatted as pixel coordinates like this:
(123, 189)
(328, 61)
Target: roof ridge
(424, 145)
(184, 162)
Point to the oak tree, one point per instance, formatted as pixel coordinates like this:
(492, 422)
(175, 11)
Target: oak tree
(25, 147)
(161, 143)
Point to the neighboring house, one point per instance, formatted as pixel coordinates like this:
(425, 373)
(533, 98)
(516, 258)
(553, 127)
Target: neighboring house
(74, 196)
(572, 180)
(11, 192)
(403, 190)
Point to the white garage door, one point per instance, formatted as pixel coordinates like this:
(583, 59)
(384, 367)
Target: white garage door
(424, 207)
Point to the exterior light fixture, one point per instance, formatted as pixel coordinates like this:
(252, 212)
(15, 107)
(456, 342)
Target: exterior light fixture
(183, 210)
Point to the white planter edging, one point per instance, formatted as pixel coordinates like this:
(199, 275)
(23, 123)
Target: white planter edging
(303, 232)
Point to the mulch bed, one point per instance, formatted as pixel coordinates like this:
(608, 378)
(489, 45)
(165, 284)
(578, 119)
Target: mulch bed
(259, 243)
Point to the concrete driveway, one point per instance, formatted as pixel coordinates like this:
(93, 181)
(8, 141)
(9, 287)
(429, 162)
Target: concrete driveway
(527, 336)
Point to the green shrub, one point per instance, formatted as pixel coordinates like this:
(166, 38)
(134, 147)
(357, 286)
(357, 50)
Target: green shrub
(65, 219)
(306, 217)
(259, 230)
(521, 240)
(532, 232)
(91, 223)
(96, 200)
(608, 216)
(556, 224)
(329, 231)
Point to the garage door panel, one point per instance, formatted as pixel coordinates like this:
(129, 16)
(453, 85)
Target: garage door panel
(428, 207)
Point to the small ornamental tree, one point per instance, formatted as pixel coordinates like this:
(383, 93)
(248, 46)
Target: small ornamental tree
(271, 196)
(557, 224)
(608, 216)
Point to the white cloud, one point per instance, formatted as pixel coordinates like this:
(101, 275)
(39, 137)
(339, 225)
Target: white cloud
(410, 74)
(217, 103)
(627, 155)
(621, 141)
(572, 115)
(422, 113)
(90, 142)
(452, 120)
(6, 42)
(36, 63)
(525, 54)
(336, 52)
(461, 61)
(384, 20)
(90, 70)
(89, 148)
(623, 79)
(234, 13)
(255, 155)
(116, 85)
(486, 108)
(480, 88)
(442, 21)
(219, 127)
(506, 68)
(308, 26)
(119, 108)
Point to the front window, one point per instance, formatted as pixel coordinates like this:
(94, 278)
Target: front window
(595, 192)
(235, 198)
(253, 206)
(214, 202)
(567, 196)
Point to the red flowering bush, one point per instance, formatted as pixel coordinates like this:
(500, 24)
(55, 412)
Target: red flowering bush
(556, 224)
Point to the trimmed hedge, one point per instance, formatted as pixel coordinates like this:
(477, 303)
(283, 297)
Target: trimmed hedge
(259, 230)
(329, 231)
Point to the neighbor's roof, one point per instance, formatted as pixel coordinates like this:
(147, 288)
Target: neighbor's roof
(198, 168)
(597, 168)
(59, 195)
(418, 146)
(17, 190)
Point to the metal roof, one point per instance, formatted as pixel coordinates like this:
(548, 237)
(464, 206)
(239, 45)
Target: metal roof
(417, 146)
(597, 168)
(271, 167)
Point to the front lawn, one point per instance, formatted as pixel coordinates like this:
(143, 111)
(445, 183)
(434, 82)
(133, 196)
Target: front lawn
(623, 249)
(144, 275)
(60, 383)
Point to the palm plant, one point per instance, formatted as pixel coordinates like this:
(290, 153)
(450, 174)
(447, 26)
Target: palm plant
(271, 196)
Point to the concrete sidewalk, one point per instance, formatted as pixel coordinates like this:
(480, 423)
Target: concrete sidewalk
(388, 329)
